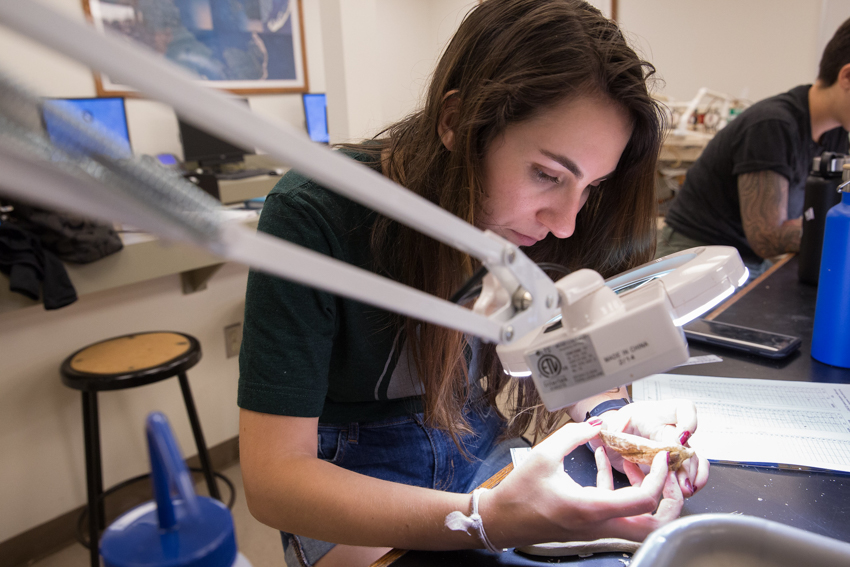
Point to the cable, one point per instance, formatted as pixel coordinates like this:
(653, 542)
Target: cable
(553, 267)
(472, 287)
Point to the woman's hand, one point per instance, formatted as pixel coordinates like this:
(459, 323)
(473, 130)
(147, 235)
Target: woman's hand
(668, 421)
(539, 502)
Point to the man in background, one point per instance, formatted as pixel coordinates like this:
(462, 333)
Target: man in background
(746, 189)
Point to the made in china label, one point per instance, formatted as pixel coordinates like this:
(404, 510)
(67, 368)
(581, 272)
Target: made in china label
(627, 355)
(566, 363)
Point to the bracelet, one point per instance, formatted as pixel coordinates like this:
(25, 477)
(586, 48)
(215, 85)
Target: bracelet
(458, 521)
(607, 405)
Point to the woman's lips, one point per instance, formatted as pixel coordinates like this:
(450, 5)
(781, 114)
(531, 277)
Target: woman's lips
(523, 240)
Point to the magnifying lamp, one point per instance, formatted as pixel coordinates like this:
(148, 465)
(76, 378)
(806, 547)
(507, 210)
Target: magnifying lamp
(613, 332)
(575, 337)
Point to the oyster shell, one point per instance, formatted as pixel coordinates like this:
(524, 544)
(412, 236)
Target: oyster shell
(641, 451)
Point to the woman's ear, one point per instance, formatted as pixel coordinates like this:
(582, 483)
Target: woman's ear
(448, 119)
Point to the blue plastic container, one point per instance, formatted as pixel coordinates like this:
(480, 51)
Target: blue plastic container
(189, 531)
(831, 337)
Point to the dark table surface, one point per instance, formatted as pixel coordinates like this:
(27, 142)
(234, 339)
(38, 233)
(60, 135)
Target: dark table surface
(780, 304)
(818, 502)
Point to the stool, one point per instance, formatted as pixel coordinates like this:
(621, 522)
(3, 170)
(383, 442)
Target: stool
(127, 362)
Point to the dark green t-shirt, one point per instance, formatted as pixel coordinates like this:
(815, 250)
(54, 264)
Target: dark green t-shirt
(308, 353)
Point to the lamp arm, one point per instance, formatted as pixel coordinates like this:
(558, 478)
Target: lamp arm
(219, 114)
(603, 340)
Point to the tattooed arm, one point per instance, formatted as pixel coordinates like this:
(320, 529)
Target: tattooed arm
(764, 212)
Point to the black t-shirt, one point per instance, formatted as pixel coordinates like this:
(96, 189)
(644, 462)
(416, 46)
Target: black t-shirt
(774, 134)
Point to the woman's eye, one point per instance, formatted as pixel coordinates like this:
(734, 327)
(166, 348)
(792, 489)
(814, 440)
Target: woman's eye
(545, 177)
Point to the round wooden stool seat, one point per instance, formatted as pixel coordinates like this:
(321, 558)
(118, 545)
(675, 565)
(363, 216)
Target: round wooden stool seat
(127, 362)
(130, 361)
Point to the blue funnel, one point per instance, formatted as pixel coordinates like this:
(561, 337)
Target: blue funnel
(174, 530)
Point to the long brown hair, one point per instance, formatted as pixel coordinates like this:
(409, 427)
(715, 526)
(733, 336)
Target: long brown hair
(509, 60)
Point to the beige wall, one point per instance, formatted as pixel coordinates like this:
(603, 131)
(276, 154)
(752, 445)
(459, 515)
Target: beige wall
(757, 47)
(42, 467)
(752, 49)
(413, 35)
(379, 55)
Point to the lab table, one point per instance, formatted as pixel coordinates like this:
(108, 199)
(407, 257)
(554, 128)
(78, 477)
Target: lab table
(818, 502)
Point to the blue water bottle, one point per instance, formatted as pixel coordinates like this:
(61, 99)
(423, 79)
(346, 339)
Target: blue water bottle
(831, 337)
(189, 531)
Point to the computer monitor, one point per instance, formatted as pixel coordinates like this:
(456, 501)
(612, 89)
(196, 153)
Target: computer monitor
(208, 150)
(316, 113)
(108, 112)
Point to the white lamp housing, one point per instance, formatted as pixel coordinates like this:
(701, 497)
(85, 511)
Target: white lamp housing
(605, 339)
(695, 280)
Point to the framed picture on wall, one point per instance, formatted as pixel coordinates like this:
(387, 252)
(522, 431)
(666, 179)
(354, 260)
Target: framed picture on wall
(243, 46)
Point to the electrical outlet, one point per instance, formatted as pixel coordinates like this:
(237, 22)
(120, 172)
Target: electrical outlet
(232, 339)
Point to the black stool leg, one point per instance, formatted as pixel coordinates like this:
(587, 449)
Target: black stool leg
(203, 454)
(94, 478)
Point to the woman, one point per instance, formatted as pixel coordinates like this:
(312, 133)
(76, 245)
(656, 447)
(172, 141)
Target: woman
(365, 429)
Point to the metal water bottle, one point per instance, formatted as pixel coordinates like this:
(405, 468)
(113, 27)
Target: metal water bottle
(188, 531)
(821, 195)
(831, 337)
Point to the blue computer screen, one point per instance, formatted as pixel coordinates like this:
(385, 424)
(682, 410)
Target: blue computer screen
(316, 112)
(109, 112)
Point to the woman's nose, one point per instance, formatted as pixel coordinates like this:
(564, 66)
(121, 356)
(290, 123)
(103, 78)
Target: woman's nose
(559, 215)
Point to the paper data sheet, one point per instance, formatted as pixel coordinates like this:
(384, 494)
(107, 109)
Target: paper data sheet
(770, 422)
